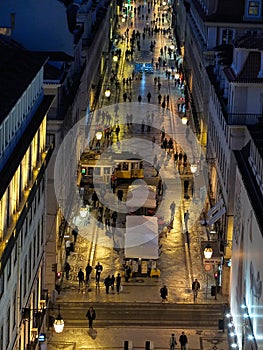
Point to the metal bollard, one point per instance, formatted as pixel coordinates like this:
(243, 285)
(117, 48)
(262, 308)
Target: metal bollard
(149, 345)
(127, 345)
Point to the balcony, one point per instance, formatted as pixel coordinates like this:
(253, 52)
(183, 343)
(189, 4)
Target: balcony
(244, 119)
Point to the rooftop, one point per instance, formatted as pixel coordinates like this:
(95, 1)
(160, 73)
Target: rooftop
(17, 69)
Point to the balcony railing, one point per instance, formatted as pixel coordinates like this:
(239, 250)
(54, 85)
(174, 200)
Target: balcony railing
(244, 119)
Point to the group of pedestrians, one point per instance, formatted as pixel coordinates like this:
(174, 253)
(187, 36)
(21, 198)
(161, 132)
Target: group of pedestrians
(183, 340)
(110, 281)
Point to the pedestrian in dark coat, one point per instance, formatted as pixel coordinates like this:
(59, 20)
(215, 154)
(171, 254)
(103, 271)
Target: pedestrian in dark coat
(107, 283)
(127, 273)
(118, 282)
(120, 195)
(139, 98)
(81, 278)
(183, 341)
(67, 268)
(75, 232)
(91, 315)
(88, 272)
(112, 282)
(149, 95)
(98, 269)
(164, 293)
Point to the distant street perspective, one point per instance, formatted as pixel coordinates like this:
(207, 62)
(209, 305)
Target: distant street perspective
(131, 175)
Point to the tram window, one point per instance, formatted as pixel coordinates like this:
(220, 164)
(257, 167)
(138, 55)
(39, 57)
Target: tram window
(90, 171)
(107, 170)
(125, 166)
(96, 171)
(134, 165)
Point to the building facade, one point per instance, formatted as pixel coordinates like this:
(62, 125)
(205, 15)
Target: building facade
(23, 158)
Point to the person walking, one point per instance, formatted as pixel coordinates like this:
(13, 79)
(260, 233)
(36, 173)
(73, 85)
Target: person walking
(88, 272)
(139, 98)
(186, 219)
(75, 233)
(183, 341)
(127, 273)
(118, 283)
(81, 278)
(195, 288)
(112, 282)
(107, 283)
(164, 293)
(99, 269)
(91, 315)
(172, 341)
(120, 195)
(149, 95)
(172, 208)
(67, 268)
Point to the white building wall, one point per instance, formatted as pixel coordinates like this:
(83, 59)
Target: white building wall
(247, 270)
(46, 29)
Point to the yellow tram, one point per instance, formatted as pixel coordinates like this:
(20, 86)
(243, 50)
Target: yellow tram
(129, 168)
(95, 168)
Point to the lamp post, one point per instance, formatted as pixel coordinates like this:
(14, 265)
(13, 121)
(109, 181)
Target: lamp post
(107, 93)
(208, 252)
(184, 119)
(59, 322)
(38, 317)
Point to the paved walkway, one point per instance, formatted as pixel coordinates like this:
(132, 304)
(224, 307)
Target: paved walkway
(181, 259)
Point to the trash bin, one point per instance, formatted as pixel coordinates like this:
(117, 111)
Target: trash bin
(221, 325)
(149, 345)
(213, 291)
(127, 345)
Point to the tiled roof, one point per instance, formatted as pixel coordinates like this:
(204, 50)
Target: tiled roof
(249, 73)
(250, 41)
(17, 70)
(230, 11)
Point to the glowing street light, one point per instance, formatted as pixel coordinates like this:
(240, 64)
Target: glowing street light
(98, 135)
(184, 120)
(208, 252)
(107, 93)
(59, 322)
(115, 58)
(193, 168)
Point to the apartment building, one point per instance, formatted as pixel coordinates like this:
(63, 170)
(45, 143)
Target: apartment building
(24, 157)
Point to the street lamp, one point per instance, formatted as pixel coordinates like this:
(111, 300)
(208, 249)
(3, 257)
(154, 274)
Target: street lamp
(172, 47)
(208, 251)
(107, 93)
(98, 135)
(59, 322)
(193, 168)
(184, 119)
(115, 58)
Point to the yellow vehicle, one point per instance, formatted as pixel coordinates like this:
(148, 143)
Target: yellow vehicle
(129, 168)
(94, 172)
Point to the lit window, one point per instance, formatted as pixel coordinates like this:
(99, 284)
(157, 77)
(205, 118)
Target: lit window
(253, 8)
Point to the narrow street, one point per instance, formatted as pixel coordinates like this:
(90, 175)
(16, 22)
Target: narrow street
(180, 260)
